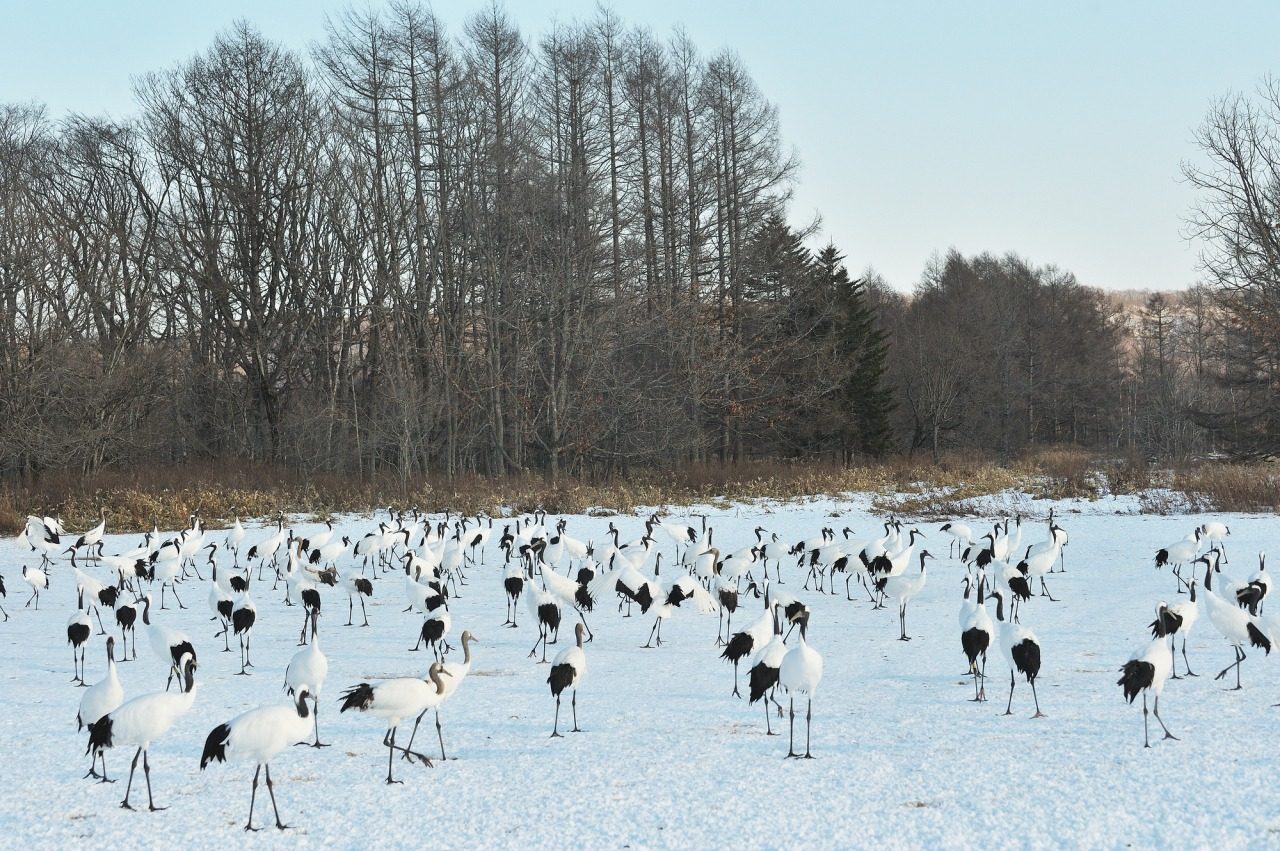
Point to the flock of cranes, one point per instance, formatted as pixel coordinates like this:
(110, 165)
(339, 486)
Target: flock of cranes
(557, 577)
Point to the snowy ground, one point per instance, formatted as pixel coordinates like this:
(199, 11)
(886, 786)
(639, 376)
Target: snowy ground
(669, 758)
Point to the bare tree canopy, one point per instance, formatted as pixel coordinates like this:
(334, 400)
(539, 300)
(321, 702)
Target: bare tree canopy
(414, 250)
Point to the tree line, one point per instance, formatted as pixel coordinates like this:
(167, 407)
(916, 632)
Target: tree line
(412, 250)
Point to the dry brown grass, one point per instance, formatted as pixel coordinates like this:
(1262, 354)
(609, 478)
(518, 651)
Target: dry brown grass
(1231, 487)
(169, 495)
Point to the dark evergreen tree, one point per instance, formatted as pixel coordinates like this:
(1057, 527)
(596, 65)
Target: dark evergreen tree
(862, 346)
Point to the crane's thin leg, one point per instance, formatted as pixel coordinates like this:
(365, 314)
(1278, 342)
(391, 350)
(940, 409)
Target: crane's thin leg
(146, 772)
(97, 613)
(350, 610)
(768, 728)
(1008, 710)
(408, 749)
(1240, 657)
(808, 725)
(791, 747)
(649, 643)
(129, 786)
(736, 693)
(391, 750)
(315, 711)
(1146, 738)
(1156, 710)
(363, 612)
(574, 703)
(555, 727)
(440, 735)
(1038, 714)
(1190, 673)
(1044, 591)
(253, 797)
(272, 792)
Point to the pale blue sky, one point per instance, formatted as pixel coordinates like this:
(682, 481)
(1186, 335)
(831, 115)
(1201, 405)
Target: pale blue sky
(1052, 130)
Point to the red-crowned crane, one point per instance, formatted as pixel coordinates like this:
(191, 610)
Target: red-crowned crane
(629, 583)
(513, 586)
(1177, 620)
(976, 633)
(1021, 650)
(221, 603)
(100, 698)
(575, 595)
(79, 629)
(141, 721)
(38, 580)
(93, 538)
(1178, 554)
(1147, 671)
(1253, 595)
(961, 536)
(435, 627)
(257, 736)
(902, 588)
(744, 644)
(762, 679)
(126, 617)
(169, 645)
(1038, 561)
(567, 671)
(800, 673)
(474, 539)
(1237, 626)
(306, 674)
(668, 598)
(235, 537)
(1216, 534)
(727, 596)
(357, 587)
(244, 614)
(545, 608)
(794, 612)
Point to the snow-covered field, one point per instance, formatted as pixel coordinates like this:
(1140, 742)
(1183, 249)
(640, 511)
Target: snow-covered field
(668, 757)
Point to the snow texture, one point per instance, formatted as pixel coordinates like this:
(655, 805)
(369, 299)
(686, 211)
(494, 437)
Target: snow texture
(668, 758)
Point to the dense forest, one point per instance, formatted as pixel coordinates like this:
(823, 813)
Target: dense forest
(416, 250)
